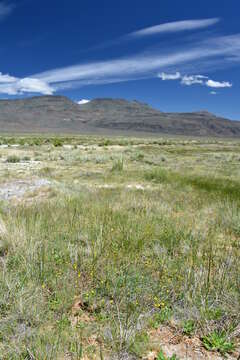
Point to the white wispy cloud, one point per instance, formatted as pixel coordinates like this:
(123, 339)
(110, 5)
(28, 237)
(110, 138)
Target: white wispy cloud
(218, 84)
(118, 68)
(5, 9)
(170, 27)
(164, 76)
(14, 86)
(31, 85)
(175, 26)
(195, 79)
(6, 78)
(213, 92)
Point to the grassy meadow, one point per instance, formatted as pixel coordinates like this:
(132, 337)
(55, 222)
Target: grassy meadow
(106, 241)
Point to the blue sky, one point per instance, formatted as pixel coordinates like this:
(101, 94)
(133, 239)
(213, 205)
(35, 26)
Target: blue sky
(175, 55)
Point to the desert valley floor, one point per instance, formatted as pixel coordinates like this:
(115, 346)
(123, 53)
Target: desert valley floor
(123, 248)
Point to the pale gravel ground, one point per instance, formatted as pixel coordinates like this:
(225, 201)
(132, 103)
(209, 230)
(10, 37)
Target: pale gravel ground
(17, 189)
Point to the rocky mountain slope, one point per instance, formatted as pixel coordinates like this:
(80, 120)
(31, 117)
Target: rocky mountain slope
(60, 114)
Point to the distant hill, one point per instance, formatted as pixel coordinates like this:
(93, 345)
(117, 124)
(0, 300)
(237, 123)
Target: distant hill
(59, 114)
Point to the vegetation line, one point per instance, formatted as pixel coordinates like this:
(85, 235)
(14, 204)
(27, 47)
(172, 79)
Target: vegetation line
(218, 186)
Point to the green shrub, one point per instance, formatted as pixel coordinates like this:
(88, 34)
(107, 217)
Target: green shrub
(13, 159)
(37, 141)
(26, 158)
(57, 142)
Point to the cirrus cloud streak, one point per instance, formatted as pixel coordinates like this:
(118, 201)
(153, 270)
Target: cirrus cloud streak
(139, 66)
(143, 65)
(173, 27)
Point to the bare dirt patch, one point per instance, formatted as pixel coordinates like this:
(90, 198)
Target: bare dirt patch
(18, 189)
(171, 342)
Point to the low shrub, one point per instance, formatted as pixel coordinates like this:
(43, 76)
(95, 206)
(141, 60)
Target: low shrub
(13, 159)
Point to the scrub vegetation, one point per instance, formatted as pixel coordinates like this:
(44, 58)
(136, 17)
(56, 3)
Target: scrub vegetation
(122, 240)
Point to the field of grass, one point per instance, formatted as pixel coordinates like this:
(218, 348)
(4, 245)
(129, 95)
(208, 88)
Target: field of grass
(106, 242)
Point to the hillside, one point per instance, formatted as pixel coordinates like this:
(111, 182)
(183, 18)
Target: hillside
(60, 114)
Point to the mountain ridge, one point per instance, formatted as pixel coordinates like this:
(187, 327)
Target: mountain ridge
(105, 115)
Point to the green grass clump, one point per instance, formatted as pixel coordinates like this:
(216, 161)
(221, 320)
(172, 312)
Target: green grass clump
(13, 159)
(57, 142)
(217, 341)
(189, 327)
(117, 166)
